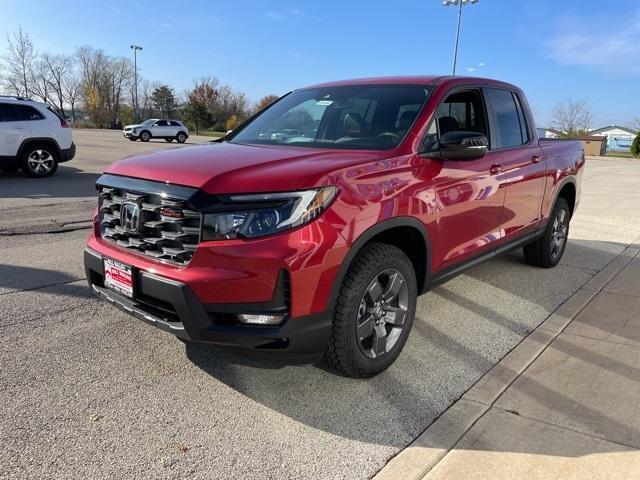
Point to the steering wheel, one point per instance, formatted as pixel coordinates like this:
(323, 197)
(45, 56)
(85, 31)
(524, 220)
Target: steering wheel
(389, 134)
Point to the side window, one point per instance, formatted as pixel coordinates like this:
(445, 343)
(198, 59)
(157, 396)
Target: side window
(524, 126)
(4, 112)
(460, 111)
(26, 112)
(161, 123)
(175, 124)
(506, 119)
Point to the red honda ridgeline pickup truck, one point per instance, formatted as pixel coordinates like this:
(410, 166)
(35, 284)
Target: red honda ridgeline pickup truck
(309, 231)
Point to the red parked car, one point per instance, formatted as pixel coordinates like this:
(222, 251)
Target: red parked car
(308, 232)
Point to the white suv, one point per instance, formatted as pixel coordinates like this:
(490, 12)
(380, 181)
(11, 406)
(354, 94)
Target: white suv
(34, 137)
(170, 130)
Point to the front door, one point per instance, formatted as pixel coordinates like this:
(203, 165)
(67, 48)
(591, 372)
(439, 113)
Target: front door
(469, 194)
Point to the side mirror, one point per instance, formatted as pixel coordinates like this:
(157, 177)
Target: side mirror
(459, 145)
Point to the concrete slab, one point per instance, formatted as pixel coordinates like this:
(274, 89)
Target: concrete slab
(498, 379)
(559, 319)
(599, 281)
(502, 445)
(430, 447)
(610, 317)
(590, 386)
(627, 282)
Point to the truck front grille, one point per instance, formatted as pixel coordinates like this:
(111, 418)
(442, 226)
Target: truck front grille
(154, 221)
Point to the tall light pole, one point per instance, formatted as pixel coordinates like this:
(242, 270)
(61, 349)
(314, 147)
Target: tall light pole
(459, 4)
(135, 49)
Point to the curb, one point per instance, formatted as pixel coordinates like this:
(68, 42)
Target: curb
(420, 456)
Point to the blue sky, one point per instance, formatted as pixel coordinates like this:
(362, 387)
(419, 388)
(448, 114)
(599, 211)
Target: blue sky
(555, 50)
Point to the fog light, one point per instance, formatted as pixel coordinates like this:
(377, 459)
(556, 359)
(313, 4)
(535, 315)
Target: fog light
(260, 319)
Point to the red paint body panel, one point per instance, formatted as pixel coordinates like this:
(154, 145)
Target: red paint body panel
(465, 208)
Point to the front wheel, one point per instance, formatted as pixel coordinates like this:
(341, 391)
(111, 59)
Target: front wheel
(374, 312)
(547, 251)
(145, 136)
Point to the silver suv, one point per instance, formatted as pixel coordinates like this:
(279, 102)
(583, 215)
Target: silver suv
(170, 130)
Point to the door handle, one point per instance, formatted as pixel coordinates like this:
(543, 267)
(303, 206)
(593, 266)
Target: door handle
(535, 159)
(495, 169)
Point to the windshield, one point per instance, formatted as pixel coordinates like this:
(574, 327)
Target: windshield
(148, 123)
(362, 117)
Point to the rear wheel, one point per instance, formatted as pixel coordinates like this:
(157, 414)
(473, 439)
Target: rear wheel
(145, 136)
(547, 251)
(374, 312)
(181, 137)
(39, 160)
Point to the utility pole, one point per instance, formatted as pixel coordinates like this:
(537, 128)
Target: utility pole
(135, 49)
(459, 4)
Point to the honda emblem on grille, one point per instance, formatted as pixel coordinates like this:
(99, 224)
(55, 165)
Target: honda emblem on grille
(130, 217)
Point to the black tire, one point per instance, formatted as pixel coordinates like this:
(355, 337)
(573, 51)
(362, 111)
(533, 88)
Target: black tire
(350, 353)
(145, 136)
(39, 160)
(168, 140)
(181, 137)
(547, 251)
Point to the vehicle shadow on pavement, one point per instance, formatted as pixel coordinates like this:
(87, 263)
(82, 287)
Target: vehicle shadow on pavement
(14, 278)
(67, 182)
(462, 329)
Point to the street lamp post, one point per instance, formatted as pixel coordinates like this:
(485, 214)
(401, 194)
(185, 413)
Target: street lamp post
(135, 49)
(459, 4)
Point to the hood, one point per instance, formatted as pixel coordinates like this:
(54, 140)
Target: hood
(132, 126)
(235, 168)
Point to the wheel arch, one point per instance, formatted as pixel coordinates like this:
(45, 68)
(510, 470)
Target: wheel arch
(51, 141)
(388, 231)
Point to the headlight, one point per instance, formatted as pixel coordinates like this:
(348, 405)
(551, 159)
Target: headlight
(250, 216)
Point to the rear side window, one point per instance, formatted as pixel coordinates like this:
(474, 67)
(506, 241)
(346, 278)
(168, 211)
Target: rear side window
(18, 113)
(507, 119)
(175, 124)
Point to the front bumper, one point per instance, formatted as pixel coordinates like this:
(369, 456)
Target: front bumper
(173, 307)
(129, 134)
(68, 153)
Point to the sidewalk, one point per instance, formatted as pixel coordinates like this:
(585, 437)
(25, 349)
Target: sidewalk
(565, 403)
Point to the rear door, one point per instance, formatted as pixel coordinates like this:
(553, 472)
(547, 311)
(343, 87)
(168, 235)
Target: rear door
(14, 128)
(469, 195)
(522, 167)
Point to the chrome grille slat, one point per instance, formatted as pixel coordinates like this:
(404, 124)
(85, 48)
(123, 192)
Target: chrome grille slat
(160, 237)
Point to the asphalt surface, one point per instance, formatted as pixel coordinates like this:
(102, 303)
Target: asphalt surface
(89, 392)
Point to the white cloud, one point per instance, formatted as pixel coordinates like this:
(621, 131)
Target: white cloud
(278, 17)
(471, 69)
(609, 44)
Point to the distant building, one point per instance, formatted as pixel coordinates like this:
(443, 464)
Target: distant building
(595, 145)
(548, 133)
(619, 139)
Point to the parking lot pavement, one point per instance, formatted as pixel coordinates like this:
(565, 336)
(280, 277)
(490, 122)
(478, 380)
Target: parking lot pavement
(89, 392)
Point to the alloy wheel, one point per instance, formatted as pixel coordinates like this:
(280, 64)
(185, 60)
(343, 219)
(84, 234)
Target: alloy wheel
(382, 313)
(559, 233)
(40, 162)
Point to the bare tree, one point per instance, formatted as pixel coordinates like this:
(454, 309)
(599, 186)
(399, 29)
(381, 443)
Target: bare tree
(635, 123)
(573, 118)
(71, 88)
(18, 63)
(57, 68)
